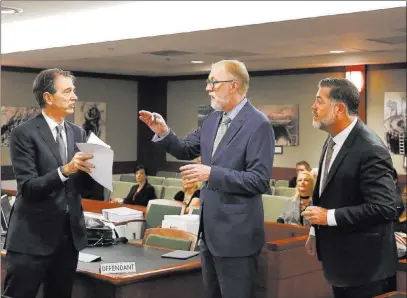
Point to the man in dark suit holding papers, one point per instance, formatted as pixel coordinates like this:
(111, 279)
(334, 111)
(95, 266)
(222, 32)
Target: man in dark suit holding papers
(47, 227)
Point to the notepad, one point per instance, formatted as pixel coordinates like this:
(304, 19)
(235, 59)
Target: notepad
(180, 254)
(88, 258)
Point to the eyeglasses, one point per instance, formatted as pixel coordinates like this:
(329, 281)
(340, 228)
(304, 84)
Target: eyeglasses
(212, 83)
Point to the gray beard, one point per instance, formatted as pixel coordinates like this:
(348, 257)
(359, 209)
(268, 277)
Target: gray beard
(319, 125)
(216, 106)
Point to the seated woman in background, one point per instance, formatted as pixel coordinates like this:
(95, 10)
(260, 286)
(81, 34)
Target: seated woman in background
(302, 199)
(189, 195)
(142, 192)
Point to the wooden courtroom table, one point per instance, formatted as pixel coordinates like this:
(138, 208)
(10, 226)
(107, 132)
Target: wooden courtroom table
(98, 206)
(155, 276)
(10, 192)
(90, 205)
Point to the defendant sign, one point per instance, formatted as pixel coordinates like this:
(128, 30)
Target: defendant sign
(121, 267)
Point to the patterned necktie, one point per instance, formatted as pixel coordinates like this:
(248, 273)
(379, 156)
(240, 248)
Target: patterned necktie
(61, 144)
(329, 151)
(221, 131)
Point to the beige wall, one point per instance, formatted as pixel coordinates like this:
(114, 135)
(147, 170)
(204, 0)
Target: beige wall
(379, 82)
(185, 96)
(120, 97)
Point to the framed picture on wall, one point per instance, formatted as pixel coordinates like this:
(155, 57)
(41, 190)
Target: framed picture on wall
(278, 150)
(285, 122)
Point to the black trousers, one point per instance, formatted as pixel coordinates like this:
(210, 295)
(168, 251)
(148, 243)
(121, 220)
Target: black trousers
(225, 277)
(369, 290)
(56, 272)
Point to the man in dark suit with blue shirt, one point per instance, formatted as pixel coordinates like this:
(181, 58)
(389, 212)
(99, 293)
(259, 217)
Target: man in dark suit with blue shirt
(236, 145)
(47, 226)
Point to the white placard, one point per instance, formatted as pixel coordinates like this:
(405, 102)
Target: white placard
(120, 267)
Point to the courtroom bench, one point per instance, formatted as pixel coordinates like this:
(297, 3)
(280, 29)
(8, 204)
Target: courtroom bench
(279, 231)
(287, 270)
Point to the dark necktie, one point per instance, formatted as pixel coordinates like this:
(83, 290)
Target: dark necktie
(221, 131)
(329, 151)
(61, 144)
(62, 151)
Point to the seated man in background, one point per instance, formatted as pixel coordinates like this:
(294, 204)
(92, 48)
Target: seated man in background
(141, 193)
(189, 195)
(299, 167)
(302, 199)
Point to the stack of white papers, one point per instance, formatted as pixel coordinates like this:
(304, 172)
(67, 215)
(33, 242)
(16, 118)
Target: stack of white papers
(184, 217)
(102, 159)
(121, 214)
(186, 222)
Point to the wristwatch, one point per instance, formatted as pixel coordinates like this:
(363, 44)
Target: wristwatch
(62, 172)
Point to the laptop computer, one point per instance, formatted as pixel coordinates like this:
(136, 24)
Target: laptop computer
(5, 213)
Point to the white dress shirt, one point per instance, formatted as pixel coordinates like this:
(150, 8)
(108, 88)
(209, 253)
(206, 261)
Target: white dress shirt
(339, 140)
(53, 126)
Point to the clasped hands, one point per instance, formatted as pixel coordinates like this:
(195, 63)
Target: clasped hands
(316, 215)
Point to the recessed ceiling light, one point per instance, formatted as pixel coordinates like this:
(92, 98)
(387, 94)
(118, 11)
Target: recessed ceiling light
(337, 52)
(197, 62)
(11, 10)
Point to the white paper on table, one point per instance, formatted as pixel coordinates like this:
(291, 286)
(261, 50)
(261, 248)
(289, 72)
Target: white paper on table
(103, 162)
(93, 139)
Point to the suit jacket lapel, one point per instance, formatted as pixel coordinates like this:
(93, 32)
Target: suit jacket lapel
(46, 134)
(70, 141)
(341, 154)
(234, 127)
(335, 165)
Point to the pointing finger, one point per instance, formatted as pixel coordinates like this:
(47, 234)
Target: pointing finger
(145, 113)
